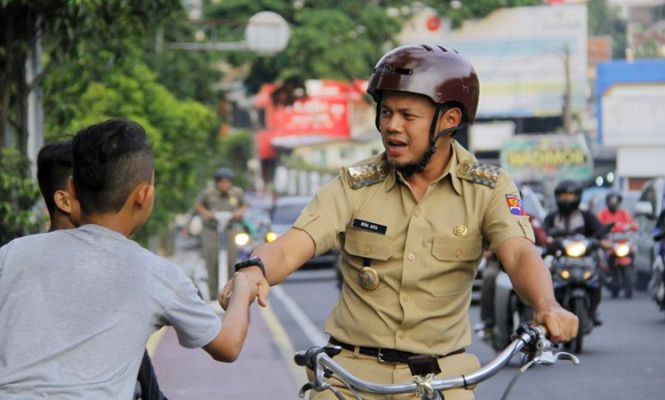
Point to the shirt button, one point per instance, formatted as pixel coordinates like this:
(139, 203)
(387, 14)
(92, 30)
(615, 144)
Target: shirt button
(411, 257)
(417, 212)
(459, 253)
(405, 298)
(401, 335)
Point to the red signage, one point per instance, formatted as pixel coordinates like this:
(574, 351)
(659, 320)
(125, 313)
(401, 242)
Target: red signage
(325, 111)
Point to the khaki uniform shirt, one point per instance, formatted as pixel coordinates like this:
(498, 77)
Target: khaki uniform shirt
(425, 253)
(214, 200)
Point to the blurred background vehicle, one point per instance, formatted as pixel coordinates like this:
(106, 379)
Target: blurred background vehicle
(647, 209)
(284, 214)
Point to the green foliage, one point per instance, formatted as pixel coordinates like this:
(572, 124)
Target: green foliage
(179, 131)
(235, 152)
(18, 195)
(332, 40)
(605, 19)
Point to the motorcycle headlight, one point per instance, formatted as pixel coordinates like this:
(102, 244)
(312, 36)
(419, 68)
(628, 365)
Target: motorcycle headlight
(241, 239)
(621, 249)
(271, 236)
(587, 274)
(565, 274)
(575, 249)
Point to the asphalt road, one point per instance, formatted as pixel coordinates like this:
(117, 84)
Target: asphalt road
(622, 359)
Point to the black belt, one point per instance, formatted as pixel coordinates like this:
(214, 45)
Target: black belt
(387, 355)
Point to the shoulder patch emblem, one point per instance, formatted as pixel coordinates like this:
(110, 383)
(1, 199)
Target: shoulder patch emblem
(483, 174)
(368, 174)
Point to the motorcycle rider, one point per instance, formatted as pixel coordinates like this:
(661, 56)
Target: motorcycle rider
(570, 220)
(223, 196)
(623, 222)
(613, 213)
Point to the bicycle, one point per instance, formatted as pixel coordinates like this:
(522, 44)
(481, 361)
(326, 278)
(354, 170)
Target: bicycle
(530, 339)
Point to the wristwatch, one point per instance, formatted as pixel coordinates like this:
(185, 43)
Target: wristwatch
(251, 262)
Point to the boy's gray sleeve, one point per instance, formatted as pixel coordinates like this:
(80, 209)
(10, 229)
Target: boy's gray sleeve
(194, 322)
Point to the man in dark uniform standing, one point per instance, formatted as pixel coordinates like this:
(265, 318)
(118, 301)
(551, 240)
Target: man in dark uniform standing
(412, 223)
(226, 202)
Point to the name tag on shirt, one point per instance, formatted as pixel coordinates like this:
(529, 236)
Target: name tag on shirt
(369, 226)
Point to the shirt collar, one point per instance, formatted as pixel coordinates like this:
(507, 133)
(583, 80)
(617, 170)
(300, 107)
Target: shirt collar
(450, 169)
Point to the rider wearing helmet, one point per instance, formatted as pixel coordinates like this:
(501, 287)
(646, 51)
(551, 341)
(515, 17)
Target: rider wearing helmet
(617, 215)
(223, 196)
(411, 224)
(570, 220)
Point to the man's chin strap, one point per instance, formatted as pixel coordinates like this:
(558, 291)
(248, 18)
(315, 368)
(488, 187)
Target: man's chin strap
(408, 170)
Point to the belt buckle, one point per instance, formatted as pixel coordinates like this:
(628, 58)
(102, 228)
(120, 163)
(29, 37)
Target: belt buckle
(379, 356)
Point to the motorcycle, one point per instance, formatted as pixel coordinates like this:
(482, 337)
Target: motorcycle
(657, 283)
(575, 276)
(620, 262)
(499, 298)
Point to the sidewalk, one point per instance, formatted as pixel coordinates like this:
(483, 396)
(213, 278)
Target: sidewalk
(262, 370)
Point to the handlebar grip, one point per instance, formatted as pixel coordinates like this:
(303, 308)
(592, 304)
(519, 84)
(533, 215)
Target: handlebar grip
(300, 358)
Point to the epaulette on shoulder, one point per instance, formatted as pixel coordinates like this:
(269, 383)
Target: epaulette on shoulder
(367, 174)
(483, 174)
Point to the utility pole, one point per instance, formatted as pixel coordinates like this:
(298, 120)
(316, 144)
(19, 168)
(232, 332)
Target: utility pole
(567, 94)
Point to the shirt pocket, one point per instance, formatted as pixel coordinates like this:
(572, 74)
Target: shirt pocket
(454, 266)
(368, 245)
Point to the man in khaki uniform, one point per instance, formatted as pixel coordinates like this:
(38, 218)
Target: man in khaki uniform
(412, 223)
(222, 197)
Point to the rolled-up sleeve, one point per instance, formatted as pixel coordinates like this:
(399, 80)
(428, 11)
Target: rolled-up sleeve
(327, 215)
(504, 216)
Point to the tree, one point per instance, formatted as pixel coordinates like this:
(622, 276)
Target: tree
(331, 40)
(605, 19)
(59, 25)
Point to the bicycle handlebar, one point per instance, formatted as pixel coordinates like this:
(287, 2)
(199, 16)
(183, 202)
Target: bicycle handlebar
(319, 360)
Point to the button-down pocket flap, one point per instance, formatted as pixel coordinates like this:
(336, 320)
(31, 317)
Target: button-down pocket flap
(457, 249)
(368, 245)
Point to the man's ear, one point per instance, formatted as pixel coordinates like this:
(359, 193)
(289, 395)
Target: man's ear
(63, 201)
(143, 195)
(450, 118)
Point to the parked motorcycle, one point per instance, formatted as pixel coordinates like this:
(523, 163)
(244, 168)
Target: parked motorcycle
(620, 263)
(576, 278)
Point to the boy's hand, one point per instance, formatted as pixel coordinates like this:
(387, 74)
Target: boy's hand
(246, 281)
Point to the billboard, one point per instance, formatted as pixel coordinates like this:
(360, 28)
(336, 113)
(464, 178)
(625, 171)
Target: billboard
(547, 157)
(522, 55)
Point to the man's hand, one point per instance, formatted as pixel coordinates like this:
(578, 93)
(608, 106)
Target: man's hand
(250, 279)
(560, 323)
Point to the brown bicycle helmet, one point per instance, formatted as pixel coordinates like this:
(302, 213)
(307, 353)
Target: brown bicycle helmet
(437, 72)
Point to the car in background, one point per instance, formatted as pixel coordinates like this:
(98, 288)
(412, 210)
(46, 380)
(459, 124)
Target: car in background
(649, 206)
(284, 214)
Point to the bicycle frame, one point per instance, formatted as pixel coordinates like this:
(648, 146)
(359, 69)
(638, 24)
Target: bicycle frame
(320, 360)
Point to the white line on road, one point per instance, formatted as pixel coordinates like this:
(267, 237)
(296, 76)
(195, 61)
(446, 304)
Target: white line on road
(306, 325)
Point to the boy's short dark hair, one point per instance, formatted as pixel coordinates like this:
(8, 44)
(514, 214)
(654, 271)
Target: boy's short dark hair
(54, 167)
(110, 160)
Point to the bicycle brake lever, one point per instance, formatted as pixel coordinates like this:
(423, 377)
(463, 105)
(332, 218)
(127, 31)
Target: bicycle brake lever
(562, 355)
(303, 390)
(550, 358)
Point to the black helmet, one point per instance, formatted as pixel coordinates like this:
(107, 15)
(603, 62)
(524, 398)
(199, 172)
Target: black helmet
(613, 201)
(568, 186)
(224, 173)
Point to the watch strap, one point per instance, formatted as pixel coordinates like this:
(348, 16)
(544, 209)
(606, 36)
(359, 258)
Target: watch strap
(251, 262)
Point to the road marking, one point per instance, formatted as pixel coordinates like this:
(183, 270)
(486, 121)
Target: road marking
(306, 326)
(154, 339)
(283, 343)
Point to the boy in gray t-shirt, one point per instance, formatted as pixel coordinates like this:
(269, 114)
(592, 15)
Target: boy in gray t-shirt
(77, 306)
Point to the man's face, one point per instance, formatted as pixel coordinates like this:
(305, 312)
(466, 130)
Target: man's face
(567, 197)
(223, 185)
(405, 123)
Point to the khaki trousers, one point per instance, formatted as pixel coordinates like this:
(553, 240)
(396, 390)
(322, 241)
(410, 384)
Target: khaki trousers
(370, 369)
